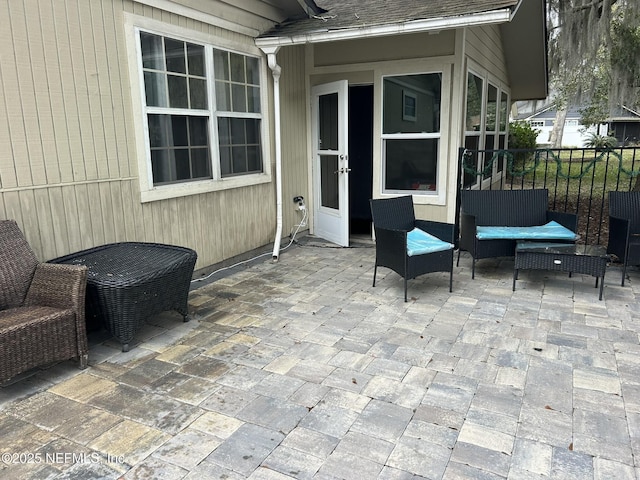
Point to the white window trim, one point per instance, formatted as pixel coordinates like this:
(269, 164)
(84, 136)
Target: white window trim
(420, 197)
(149, 192)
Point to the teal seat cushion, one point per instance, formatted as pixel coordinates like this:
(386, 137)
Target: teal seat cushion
(550, 231)
(420, 242)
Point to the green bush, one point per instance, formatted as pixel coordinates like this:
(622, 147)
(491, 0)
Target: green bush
(595, 140)
(522, 135)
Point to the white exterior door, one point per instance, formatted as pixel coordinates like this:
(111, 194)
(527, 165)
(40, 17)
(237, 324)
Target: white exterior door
(330, 161)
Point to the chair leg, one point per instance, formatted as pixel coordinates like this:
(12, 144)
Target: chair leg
(624, 272)
(451, 280)
(375, 269)
(458, 261)
(473, 268)
(405, 289)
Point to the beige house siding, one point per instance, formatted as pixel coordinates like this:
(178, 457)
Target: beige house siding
(68, 166)
(484, 46)
(295, 162)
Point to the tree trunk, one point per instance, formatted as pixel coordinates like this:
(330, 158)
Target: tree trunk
(558, 128)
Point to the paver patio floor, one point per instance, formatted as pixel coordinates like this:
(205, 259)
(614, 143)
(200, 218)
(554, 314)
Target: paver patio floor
(301, 369)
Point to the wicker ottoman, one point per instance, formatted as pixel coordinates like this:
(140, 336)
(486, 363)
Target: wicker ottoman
(130, 281)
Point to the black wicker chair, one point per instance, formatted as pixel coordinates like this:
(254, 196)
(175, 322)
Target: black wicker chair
(393, 219)
(41, 308)
(624, 228)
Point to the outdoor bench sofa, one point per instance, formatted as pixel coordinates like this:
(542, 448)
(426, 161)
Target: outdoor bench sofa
(493, 221)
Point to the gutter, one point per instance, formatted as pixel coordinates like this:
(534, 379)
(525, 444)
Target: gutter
(275, 71)
(433, 24)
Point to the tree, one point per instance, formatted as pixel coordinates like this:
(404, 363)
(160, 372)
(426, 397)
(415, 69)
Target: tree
(595, 44)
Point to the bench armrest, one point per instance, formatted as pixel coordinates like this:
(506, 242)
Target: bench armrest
(567, 220)
(468, 231)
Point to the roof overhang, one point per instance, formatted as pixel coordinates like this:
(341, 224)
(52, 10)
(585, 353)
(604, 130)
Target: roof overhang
(523, 29)
(416, 26)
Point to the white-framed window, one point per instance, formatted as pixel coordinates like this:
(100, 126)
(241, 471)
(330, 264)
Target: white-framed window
(411, 132)
(486, 128)
(202, 126)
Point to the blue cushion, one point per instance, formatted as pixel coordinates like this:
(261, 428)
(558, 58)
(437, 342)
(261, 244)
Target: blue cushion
(420, 242)
(550, 231)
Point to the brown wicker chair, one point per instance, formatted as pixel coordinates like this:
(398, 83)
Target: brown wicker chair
(42, 318)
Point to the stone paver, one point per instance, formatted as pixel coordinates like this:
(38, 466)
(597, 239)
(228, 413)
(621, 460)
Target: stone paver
(301, 369)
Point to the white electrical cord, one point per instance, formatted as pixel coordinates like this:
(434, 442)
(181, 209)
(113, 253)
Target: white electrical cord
(303, 223)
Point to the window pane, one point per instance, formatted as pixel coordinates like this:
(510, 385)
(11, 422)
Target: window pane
(412, 103)
(160, 166)
(174, 50)
(180, 148)
(158, 130)
(238, 136)
(239, 95)
(474, 103)
(237, 68)
(253, 98)
(221, 64)
(155, 89)
(179, 131)
(223, 96)
(239, 159)
(504, 112)
(183, 169)
(253, 71)
(411, 164)
(177, 91)
(195, 57)
(240, 147)
(492, 105)
(198, 131)
(151, 46)
(471, 143)
(200, 164)
(225, 161)
(198, 93)
(224, 131)
(253, 159)
(253, 130)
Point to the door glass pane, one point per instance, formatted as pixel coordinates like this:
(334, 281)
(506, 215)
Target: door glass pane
(472, 144)
(328, 122)
(329, 192)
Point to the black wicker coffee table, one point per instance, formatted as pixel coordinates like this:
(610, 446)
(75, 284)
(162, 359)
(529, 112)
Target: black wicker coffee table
(130, 281)
(586, 259)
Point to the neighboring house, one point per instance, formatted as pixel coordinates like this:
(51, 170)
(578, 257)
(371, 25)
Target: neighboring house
(196, 122)
(574, 134)
(624, 124)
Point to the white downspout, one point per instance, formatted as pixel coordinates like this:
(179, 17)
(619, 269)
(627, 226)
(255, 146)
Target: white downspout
(275, 70)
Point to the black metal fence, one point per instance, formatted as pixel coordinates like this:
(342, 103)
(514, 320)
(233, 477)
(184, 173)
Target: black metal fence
(578, 179)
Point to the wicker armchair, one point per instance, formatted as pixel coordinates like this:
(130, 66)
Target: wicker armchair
(393, 220)
(41, 308)
(624, 228)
